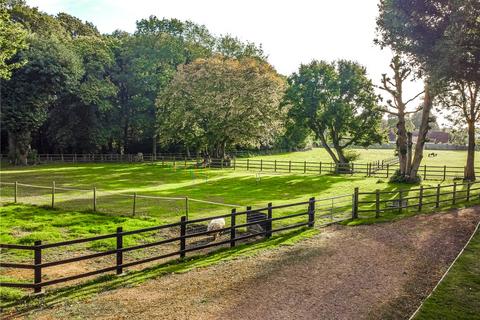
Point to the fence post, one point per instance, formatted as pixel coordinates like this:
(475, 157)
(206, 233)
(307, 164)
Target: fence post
(186, 207)
(424, 172)
(53, 194)
(289, 165)
(311, 212)
(233, 232)
(304, 166)
(437, 198)
(119, 250)
(388, 170)
(355, 204)
(420, 199)
(234, 163)
(454, 198)
(268, 225)
(134, 209)
(38, 269)
(275, 166)
(468, 191)
(320, 169)
(353, 168)
(183, 232)
(15, 192)
(221, 163)
(444, 172)
(248, 164)
(94, 199)
(377, 203)
(261, 164)
(400, 201)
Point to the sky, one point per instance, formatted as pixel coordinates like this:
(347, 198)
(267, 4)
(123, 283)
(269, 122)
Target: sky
(290, 32)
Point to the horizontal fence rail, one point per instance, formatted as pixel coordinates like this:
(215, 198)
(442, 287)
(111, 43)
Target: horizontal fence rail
(381, 168)
(186, 236)
(197, 235)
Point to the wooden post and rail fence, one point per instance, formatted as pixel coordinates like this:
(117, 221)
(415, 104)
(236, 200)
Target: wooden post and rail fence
(271, 219)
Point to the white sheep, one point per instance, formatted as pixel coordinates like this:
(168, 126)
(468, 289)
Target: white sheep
(216, 224)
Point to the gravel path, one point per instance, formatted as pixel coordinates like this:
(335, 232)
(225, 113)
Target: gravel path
(368, 272)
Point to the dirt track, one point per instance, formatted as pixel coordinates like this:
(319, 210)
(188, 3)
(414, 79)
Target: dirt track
(369, 272)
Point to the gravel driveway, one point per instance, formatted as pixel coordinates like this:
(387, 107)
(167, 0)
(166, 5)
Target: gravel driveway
(379, 271)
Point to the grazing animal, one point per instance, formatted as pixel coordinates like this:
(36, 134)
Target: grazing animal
(216, 224)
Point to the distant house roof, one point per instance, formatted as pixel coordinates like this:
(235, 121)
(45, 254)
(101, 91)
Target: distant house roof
(435, 136)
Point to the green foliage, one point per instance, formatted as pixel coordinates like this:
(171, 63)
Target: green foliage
(337, 102)
(12, 39)
(216, 103)
(441, 37)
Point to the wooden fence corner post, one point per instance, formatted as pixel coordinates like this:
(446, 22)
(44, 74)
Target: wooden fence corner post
(305, 166)
(248, 164)
(311, 212)
(377, 203)
(289, 165)
(37, 266)
(388, 170)
(268, 224)
(400, 201)
(94, 199)
(437, 198)
(183, 232)
(444, 172)
(134, 208)
(420, 198)
(15, 192)
(320, 168)
(119, 254)
(468, 191)
(53, 194)
(355, 204)
(454, 195)
(186, 207)
(424, 172)
(233, 233)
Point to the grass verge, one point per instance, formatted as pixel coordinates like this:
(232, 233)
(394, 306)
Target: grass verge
(458, 295)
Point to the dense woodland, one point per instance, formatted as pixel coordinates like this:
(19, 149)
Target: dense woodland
(174, 86)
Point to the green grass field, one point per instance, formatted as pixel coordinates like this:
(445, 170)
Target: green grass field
(73, 217)
(458, 296)
(444, 157)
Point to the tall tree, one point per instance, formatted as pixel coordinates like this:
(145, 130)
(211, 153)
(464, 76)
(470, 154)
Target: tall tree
(51, 68)
(397, 106)
(439, 37)
(462, 100)
(338, 103)
(12, 39)
(215, 103)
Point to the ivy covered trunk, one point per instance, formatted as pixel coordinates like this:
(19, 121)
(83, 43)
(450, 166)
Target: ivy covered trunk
(18, 146)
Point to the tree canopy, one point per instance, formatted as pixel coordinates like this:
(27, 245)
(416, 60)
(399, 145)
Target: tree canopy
(338, 103)
(215, 103)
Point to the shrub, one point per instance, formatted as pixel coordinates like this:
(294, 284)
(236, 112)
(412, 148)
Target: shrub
(398, 178)
(352, 155)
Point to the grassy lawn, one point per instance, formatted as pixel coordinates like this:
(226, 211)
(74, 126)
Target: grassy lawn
(444, 157)
(458, 296)
(242, 188)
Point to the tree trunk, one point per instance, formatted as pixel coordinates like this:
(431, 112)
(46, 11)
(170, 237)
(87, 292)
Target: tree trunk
(327, 147)
(470, 167)
(19, 145)
(422, 133)
(409, 152)
(402, 143)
